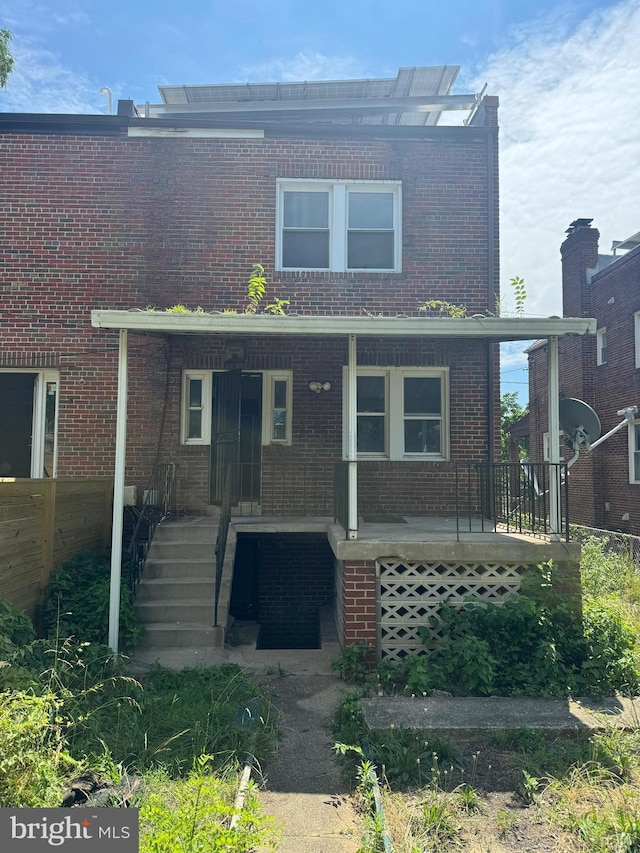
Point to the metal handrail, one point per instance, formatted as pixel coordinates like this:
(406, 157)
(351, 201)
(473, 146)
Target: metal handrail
(223, 530)
(157, 505)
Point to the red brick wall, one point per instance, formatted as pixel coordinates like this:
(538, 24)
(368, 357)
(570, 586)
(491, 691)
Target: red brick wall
(359, 596)
(599, 478)
(296, 573)
(97, 222)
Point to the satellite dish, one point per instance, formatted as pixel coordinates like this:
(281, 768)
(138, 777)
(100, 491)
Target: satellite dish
(580, 423)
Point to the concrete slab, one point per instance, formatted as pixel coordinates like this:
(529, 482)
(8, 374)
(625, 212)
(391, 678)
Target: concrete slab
(313, 823)
(469, 715)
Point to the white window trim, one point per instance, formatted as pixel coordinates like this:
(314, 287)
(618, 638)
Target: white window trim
(636, 330)
(269, 377)
(338, 220)
(38, 424)
(545, 445)
(631, 443)
(600, 334)
(394, 412)
(207, 377)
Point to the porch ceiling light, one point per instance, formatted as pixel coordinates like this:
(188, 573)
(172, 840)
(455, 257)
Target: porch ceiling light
(319, 386)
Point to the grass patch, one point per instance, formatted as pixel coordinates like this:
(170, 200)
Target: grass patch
(186, 732)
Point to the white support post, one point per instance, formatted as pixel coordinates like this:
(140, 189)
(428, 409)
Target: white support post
(352, 444)
(118, 495)
(555, 508)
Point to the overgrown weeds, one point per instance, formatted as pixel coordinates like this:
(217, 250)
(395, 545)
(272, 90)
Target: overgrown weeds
(82, 711)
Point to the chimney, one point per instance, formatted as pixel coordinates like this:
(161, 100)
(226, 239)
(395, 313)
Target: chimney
(579, 254)
(127, 108)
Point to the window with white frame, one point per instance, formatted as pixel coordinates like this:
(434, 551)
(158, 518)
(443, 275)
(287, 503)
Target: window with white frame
(197, 387)
(545, 446)
(339, 226)
(29, 423)
(276, 407)
(636, 332)
(601, 344)
(401, 413)
(634, 452)
(196, 407)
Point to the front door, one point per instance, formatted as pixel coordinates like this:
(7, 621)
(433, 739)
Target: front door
(236, 429)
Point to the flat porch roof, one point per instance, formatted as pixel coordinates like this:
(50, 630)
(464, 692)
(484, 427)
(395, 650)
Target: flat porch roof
(192, 323)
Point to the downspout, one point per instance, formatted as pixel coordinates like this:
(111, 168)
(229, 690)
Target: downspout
(352, 447)
(118, 495)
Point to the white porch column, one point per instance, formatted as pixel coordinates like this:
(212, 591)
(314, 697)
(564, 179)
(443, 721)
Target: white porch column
(555, 509)
(352, 445)
(118, 495)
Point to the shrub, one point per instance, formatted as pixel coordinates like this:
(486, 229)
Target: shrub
(195, 814)
(612, 662)
(16, 629)
(33, 760)
(534, 645)
(77, 602)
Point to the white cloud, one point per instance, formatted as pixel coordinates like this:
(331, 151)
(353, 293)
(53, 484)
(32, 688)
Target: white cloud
(569, 141)
(306, 65)
(41, 83)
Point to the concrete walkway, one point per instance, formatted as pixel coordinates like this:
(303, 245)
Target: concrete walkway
(302, 787)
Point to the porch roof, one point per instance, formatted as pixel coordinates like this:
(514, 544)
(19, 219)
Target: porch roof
(498, 328)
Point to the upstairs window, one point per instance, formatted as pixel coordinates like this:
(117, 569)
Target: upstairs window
(636, 331)
(338, 226)
(601, 344)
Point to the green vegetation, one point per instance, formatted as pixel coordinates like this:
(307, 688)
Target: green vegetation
(77, 602)
(6, 58)
(69, 706)
(197, 814)
(510, 413)
(522, 789)
(533, 644)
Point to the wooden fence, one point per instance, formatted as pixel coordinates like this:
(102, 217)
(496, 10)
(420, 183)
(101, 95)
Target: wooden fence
(44, 522)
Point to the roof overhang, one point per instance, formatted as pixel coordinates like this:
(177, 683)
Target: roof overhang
(193, 323)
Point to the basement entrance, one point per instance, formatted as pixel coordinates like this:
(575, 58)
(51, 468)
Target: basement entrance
(284, 583)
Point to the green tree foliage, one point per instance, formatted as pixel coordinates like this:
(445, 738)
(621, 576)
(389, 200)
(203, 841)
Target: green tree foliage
(510, 412)
(6, 59)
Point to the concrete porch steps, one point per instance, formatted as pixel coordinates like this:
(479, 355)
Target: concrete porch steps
(175, 598)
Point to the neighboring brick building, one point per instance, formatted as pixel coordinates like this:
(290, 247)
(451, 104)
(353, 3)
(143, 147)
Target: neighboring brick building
(603, 371)
(359, 207)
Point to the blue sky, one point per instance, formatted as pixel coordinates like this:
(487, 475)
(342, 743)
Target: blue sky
(567, 75)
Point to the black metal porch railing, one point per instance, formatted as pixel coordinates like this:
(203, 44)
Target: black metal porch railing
(158, 503)
(511, 497)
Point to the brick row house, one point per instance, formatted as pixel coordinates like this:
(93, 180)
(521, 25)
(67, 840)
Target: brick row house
(603, 371)
(356, 423)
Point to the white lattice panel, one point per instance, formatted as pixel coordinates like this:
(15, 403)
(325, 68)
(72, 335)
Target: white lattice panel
(410, 593)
